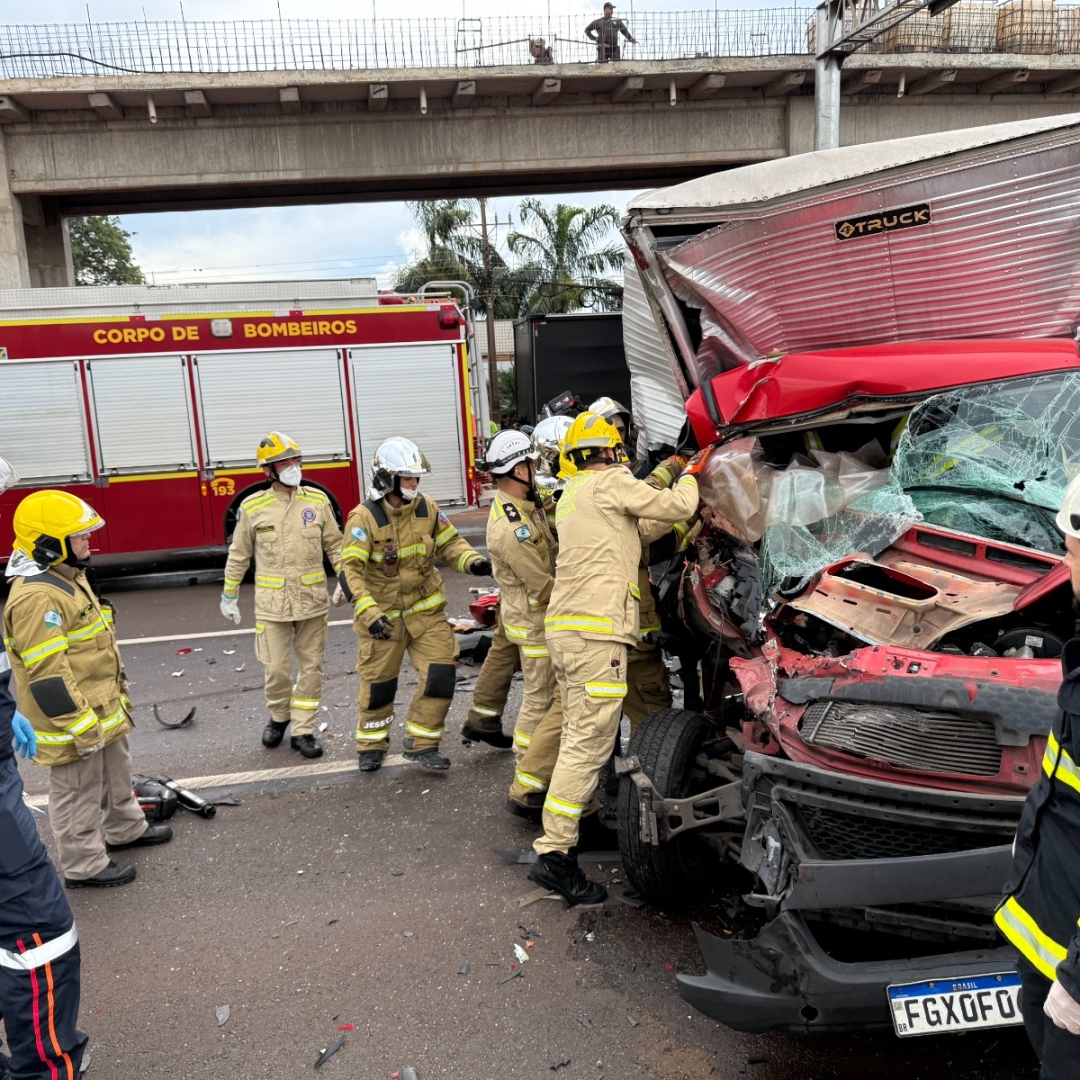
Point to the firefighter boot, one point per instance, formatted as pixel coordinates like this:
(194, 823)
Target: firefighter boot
(429, 759)
(371, 760)
(561, 873)
(307, 745)
(273, 733)
(530, 810)
(114, 874)
(496, 737)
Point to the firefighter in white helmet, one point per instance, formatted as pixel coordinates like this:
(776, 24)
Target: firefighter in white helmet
(289, 529)
(388, 574)
(592, 619)
(70, 684)
(1042, 911)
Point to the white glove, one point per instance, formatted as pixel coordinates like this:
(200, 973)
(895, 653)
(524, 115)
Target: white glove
(339, 596)
(1063, 1009)
(230, 608)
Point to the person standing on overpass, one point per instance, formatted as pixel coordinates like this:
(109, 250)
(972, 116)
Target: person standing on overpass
(605, 32)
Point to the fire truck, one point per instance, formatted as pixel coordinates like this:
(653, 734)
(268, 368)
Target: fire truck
(148, 402)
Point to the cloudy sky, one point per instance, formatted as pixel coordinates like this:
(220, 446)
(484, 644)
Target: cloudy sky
(352, 239)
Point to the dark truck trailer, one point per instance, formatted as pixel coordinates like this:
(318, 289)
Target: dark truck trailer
(583, 353)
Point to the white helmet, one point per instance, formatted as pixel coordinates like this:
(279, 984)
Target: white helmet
(548, 435)
(8, 476)
(608, 407)
(395, 457)
(507, 449)
(1068, 519)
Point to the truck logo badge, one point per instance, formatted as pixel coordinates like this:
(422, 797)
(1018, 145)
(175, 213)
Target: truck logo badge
(907, 217)
(223, 486)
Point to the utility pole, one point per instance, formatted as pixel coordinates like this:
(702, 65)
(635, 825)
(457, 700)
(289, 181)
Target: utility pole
(489, 304)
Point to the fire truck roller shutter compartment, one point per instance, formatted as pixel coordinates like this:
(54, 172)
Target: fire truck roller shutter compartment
(41, 417)
(245, 394)
(412, 390)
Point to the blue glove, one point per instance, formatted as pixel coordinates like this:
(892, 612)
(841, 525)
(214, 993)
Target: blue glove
(25, 739)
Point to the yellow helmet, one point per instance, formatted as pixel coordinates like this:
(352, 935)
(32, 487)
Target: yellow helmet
(588, 435)
(45, 520)
(276, 447)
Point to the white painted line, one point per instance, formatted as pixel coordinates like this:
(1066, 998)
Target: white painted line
(292, 772)
(207, 634)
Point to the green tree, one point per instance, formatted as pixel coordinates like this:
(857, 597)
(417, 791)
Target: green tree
(508, 391)
(101, 252)
(564, 257)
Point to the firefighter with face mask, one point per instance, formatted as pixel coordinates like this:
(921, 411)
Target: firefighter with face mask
(71, 686)
(1042, 912)
(592, 619)
(388, 574)
(289, 530)
(39, 946)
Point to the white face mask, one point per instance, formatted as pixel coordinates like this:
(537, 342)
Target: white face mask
(408, 494)
(290, 476)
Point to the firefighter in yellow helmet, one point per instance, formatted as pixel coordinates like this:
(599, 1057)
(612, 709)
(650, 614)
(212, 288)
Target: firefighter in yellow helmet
(71, 686)
(388, 574)
(592, 619)
(289, 529)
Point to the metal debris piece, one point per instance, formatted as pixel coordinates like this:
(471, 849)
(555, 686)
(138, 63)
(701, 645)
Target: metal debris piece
(464, 969)
(323, 726)
(241, 668)
(228, 652)
(177, 674)
(633, 1021)
(409, 1073)
(590, 936)
(585, 1022)
(222, 1014)
(560, 1064)
(225, 800)
(397, 873)
(532, 897)
(179, 723)
(629, 899)
(408, 933)
(519, 973)
(331, 1050)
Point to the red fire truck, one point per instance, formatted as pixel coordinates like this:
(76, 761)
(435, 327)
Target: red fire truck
(149, 402)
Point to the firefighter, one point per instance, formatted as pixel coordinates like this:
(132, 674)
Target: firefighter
(39, 947)
(388, 574)
(592, 618)
(70, 684)
(484, 722)
(1042, 910)
(290, 529)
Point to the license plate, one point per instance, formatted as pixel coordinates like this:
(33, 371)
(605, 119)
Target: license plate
(961, 1004)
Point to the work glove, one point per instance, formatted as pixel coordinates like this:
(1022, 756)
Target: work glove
(694, 465)
(230, 608)
(338, 597)
(1063, 1008)
(481, 568)
(381, 628)
(25, 739)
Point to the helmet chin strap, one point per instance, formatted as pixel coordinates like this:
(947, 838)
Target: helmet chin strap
(529, 485)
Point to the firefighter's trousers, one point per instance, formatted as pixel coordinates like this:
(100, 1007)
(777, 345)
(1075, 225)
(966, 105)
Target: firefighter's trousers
(493, 684)
(592, 678)
(433, 650)
(537, 695)
(275, 643)
(90, 804)
(1058, 1050)
(648, 687)
(533, 769)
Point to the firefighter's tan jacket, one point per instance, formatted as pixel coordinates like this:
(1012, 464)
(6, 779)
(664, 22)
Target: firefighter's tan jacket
(408, 587)
(522, 552)
(596, 592)
(663, 476)
(69, 678)
(287, 533)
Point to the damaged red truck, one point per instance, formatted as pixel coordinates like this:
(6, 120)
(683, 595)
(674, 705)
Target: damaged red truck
(871, 616)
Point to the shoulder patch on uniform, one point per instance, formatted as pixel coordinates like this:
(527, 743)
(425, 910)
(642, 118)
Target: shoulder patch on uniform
(264, 528)
(522, 533)
(511, 511)
(53, 618)
(359, 534)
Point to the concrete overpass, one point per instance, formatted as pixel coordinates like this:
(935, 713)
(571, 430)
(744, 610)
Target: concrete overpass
(84, 144)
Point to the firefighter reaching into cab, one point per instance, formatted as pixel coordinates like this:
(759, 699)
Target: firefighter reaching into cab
(289, 529)
(388, 574)
(70, 684)
(1042, 911)
(592, 619)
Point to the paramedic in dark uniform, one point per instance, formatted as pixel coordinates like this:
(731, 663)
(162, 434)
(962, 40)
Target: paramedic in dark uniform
(39, 947)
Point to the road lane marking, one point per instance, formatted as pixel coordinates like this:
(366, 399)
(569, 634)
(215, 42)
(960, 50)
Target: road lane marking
(207, 634)
(258, 776)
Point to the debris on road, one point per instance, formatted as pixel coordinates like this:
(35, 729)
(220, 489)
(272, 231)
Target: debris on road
(330, 1051)
(228, 652)
(182, 652)
(532, 897)
(346, 1027)
(590, 936)
(464, 969)
(516, 974)
(560, 1064)
(222, 1013)
(323, 726)
(179, 723)
(409, 1073)
(520, 953)
(177, 674)
(585, 1022)
(633, 1021)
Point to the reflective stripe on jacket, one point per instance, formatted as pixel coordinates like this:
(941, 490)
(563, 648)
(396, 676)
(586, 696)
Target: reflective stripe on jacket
(1041, 915)
(287, 533)
(69, 677)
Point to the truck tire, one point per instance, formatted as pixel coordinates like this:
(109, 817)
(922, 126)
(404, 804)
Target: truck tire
(670, 875)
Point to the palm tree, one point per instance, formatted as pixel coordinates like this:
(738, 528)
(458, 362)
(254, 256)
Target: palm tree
(562, 264)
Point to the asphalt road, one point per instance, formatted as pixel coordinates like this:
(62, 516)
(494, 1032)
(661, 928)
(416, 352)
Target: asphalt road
(327, 898)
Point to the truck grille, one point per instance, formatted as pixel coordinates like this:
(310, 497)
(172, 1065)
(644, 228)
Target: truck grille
(906, 738)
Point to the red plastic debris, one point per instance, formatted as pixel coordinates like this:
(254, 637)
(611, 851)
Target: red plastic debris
(345, 1027)
(182, 652)
(670, 967)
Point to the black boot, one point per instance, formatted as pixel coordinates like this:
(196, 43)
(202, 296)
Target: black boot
(273, 733)
(155, 834)
(371, 760)
(526, 810)
(114, 874)
(561, 874)
(308, 745)
(430, 759)
(498, 738)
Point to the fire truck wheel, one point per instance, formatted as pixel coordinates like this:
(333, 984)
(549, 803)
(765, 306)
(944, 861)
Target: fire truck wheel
(673, 874)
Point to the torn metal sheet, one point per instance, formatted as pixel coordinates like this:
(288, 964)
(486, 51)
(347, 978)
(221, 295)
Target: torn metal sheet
(330, 1051)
